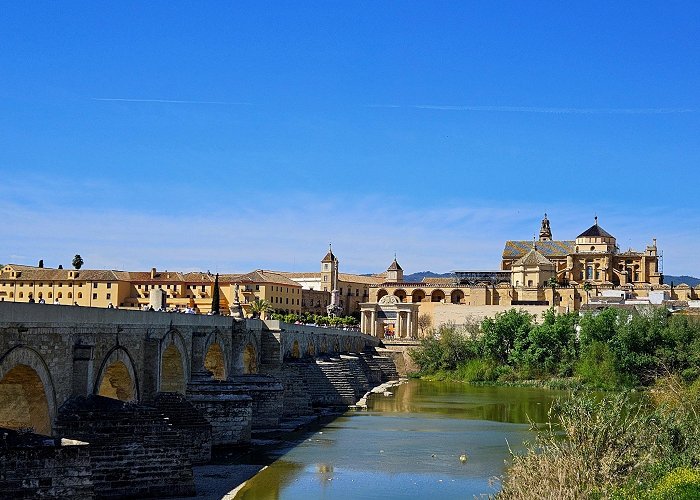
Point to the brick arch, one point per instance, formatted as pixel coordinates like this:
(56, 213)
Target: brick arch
(296, 354)
(24, 367)
(117, 378)
(400, 294)
(174, 364)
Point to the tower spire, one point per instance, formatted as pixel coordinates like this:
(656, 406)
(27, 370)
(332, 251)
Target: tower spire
(545, 230)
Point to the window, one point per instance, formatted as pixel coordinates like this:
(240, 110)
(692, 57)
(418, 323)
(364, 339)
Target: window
(60, 295)
(257, 288)
(94, 285)
(325, 278)
(357, 292)
(109, 285)
(21, 295)
(70, 295)
(202, 287)
(94, 296)
(109, 296)
(80, 295)
(592, 249)
(60, 285)
(50, 295)
(12, 295)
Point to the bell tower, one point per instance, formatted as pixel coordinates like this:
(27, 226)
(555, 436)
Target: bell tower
(545, 230)
(329, 271)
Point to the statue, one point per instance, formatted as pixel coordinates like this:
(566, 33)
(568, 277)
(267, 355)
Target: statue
(236, 309)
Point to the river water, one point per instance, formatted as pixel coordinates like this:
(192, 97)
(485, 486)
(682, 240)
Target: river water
(408, 446)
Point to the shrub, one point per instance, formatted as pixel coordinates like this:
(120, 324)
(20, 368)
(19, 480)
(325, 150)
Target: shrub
(597, 366)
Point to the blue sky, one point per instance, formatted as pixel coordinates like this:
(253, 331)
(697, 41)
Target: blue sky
(237, 135)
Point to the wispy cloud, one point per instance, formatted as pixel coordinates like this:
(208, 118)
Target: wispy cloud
(545, 110)
(169, 101)
(291, 238)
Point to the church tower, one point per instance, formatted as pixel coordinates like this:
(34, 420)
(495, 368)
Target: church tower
(545, 230)
(329, 271)
(394, 274)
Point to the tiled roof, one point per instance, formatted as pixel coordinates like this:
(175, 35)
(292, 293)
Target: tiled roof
(516, 249)
(365, 280)
(298, 275)
(31, 273)
(595, 231)
(533, 258)
(260, 276)
(329, 257)
(439, 281)
(394, 266)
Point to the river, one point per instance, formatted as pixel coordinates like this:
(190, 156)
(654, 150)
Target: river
(407, 446)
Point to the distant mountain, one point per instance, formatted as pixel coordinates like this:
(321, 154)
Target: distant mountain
(677, 280)
(418, 277)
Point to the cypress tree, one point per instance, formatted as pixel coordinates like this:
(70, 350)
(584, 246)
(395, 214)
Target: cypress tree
(215, 296)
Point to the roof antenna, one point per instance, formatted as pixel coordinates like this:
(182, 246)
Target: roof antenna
(596, 219)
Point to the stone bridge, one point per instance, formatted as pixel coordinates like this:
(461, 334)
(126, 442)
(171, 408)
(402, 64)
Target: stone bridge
(68, 372)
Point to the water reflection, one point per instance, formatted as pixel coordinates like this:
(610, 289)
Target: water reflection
(408, 446)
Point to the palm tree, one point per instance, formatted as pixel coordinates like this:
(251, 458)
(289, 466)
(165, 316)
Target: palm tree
(552, 282)
(259, 307)
(587, 287)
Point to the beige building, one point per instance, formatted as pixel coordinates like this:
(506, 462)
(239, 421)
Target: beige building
(353, 289)
(534, 276)
(134, 290)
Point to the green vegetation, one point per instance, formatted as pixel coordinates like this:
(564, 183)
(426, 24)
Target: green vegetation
(259, 307)
(316, 319)
(613, 349)
(78, 261)
(622, 447)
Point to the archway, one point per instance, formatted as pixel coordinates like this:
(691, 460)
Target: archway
(117, 383)
(214, 362)
(23, 403)
(295, 350)
(117, 377)
(381, 293)
(437, 296)
(250, 360)
(311, 350)
(401, 295)
(172, 371)
(324, 345)
(417, 296)
(457, 296)
(27, 396)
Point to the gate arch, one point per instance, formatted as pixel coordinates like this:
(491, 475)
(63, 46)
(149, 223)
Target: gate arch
(27, 391)
(117, 376)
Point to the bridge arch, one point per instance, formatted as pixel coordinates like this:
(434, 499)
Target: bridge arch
(296, 354)
(250, 359)
(311, 349)
(174, 363)
(27, 393)
(117, 376)
(217, 355)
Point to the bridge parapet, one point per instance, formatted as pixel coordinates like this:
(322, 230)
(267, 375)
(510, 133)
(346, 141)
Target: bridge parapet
(299, 341)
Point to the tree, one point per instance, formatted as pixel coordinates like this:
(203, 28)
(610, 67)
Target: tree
(259, 307)
(78, 261)
(425, 321)
(215, 296)
(587, 287)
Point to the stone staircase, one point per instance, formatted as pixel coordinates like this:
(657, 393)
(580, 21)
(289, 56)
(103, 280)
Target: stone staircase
(270, 350)
(382, 364)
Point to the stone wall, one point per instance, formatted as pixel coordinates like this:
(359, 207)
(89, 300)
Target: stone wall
(134, 451)
(35, 466)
